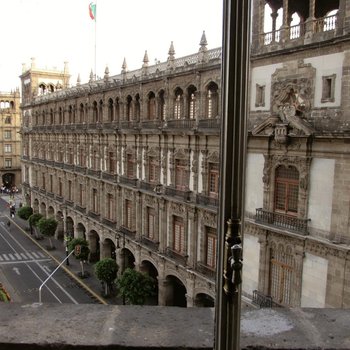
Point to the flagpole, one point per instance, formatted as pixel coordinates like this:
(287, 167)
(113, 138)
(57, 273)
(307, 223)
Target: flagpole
(95, 37)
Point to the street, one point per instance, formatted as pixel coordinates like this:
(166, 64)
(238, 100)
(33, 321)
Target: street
(24, 267)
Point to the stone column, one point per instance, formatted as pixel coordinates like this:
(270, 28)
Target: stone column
(162, 219)
(285, 24)
(192, 234)
(274, 16)
(310, 22)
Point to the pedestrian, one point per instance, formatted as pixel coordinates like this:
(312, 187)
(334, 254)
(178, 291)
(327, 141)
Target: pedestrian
(9, 225)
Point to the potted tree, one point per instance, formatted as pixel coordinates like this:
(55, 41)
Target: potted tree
(81, 252)
(135, 287)
(106, 271)
(33, 221)
(47, 227)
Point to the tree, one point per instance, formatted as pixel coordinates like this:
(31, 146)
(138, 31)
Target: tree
(135, 286)
(47, 227)
(81, 251)
(25, 212)
(33, 221)
(106, 271)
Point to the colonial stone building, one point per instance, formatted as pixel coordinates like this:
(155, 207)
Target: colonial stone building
(130, 163)
(297, 232)
(10, 140)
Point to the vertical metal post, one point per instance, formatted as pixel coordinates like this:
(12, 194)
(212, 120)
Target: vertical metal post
(235, 80)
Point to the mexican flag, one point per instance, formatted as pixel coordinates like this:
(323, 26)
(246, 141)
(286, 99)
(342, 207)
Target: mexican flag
(92, 10)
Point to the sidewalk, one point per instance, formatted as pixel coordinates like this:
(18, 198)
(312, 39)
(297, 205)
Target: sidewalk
(91, 284)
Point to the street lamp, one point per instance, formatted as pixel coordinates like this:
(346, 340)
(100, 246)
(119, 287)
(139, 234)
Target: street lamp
(67, 238)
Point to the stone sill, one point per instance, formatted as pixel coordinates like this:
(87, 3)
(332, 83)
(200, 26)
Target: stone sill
(91, 326)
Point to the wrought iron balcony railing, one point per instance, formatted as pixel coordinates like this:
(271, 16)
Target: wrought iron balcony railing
(282, 220)
(181, 123)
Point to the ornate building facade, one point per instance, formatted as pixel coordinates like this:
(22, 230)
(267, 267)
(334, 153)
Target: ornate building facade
(130, 163)
(297, 233)
(10, 149)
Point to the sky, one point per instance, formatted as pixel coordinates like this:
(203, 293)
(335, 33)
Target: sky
(55, 31)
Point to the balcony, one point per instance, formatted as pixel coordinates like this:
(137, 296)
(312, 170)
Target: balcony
(80, 169)
(212, 123)
(176, 256)
(283, 221)
(207, 200)
(80, 209)
(128, 181)
(110, 177)
(94, 173)
(206, 270)
(127, 232)
(181, 124)
(151, 124)
(94, 215)
(109, 223)
(150, 243)
(59, 199)
(310, 31)
(69, 167)
(173, 192)
(129, 124)
(69, 203)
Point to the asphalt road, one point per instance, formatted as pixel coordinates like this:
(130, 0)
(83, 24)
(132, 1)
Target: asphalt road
(24, 267)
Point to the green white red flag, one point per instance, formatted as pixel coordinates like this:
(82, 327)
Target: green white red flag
(92, 10)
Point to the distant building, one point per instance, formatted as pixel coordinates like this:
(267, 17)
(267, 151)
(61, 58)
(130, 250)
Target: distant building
(130, 162)
(10, 140)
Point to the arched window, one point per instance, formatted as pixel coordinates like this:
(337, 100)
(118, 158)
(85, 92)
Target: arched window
(117, 109)
(81, 113)
(100, 112)
(129, 108)
(178, 103)
(94, 112)
(286, 190)
(151, 106)
(161, 105)
(192, 102)
(137, 107)
(212, 101)
(110, 110)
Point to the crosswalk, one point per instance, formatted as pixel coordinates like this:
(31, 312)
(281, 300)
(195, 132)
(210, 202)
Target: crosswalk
(21, 257)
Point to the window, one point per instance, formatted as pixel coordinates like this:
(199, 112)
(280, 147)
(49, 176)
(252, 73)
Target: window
(51, 183)
(117, 109)
(60, 156)
(210, 256)
(110, 110)
(130, 163)
(8, 163)
(70, 156)
(192, 102)
(260, 95)
(7, 134)
(8, 119)
(181, 175)
(153, 170)
(43, 181)
(178, 104)
(110, 207)
(151, 106)
(213, 180)
(94, 200)
(162, 105)
(286, 190)
(129, 108)
(8, 148)
(94, 112)
(328, 84)
(60, 187)
(179, 235)
(111, 163)
(128, 214)
(281, 276)
(81, 113)
(70, 193)
(212, 101)
(95, 161)
(151, 221)
(81, 195)
(81, 158)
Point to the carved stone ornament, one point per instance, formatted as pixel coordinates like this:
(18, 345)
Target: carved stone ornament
(292, 89)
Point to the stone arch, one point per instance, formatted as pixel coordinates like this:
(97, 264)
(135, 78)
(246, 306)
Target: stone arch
(50, 212)
(36, 206)
(108, 249)
(175, 292)
(204, 300)
(126, 259)
(150, 269)
(60, 226)
(70, 226)
(94, 243)
(43, 209)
